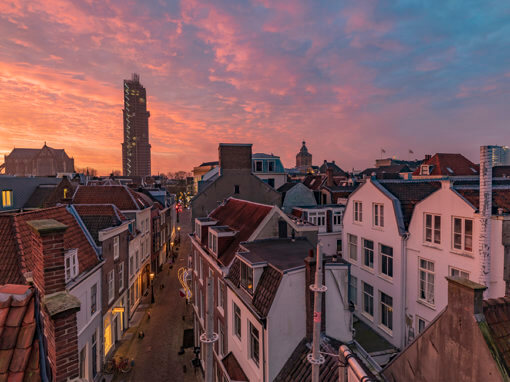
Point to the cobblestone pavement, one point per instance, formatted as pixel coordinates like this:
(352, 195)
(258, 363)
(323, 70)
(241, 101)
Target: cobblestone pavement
(155, 355)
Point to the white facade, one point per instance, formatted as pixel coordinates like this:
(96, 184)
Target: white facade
(438, 257)
(374, 275)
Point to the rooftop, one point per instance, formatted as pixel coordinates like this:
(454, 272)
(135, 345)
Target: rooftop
(449, 165)
(122, 196)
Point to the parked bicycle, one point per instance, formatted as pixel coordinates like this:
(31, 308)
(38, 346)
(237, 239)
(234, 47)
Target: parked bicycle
(114, 366)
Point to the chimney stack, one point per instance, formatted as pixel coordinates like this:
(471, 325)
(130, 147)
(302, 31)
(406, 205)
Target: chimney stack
(485, 210)
(330, 181)
(234, 156)
(464, 296)
(427, 157)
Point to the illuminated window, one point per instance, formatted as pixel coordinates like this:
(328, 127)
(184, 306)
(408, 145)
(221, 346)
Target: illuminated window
(246, 277)
(108, 343)
(386, 311)
(66, 193)
(7, 198)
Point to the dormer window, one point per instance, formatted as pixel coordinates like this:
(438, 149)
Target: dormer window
(258, 166)
(270, 166)
(247, 277)
(71, 264)
(7, 198)
(198, 231)
(66, 193)
(424, 169)
(213, 242)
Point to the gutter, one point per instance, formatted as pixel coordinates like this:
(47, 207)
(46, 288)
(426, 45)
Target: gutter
(403, 268)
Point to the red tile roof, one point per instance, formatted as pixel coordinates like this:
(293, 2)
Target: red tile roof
(241, 216)
(19, 345)
(500, 198)
(122, 196)
(22, 255)
(10, 267)
(449, 165)
(100, 210)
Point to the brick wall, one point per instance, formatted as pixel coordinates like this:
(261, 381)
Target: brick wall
(235, 156)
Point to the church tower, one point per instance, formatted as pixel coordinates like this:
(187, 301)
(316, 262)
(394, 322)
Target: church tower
(303, 158)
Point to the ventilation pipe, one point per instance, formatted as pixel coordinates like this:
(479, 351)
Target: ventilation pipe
(485, 210)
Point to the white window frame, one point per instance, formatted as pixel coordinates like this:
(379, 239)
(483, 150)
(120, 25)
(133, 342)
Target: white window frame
(116, 247)
(371, 297)
(237, 324)
(358, 211)
(378, 215)
(454, 272)
(245, 279)
(254, 343)
(351, 244)
(72, 266)
(261, 166)
(111, 285)
(221, 296)
(425, 323)
(221, 337)
(463, 235)
(424, 169)
(389, 259)
(213, 242)
(432, 229)
(367, 250)
(201, 270)
(274, 166)
(93, 299)
(424, 275)
(337, 218)
(198, 230)
(388, 309)
(121, 276)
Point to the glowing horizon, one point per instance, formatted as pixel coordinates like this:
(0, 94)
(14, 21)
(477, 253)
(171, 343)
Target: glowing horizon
(348, 78)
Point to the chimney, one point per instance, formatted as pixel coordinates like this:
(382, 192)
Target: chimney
(329, 173)
(310, 264)
(485, 210)
(427, 157)
(234, 156)
(464, 296)
(59, 307)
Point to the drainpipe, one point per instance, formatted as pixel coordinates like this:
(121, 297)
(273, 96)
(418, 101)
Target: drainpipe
(209, 337)
(485, 210)
(348, 361)
(403, 294)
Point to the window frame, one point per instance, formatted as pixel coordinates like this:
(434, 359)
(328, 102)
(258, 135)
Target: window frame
(7, 198)
(110, 281)
(358, 211)
(244, 280)
(121, 276)
(256, 163)
(427, 272)
(73, 269)
(432, 229)
(378, 215)
(221, 295)
(116, 250)
(461, 272)
(387, 309)
(365, 294)
(352, 245)
(367, 250)
(93, 299)
(254, 343)
(463, 235)
(386, 259)
(236, 321)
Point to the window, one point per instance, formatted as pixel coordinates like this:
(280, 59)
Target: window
(270, 166)
(421, 324)
(111, 286)
(71, 264)
(131, 266)
(237, 321)
(7, 198)
(198, 231)
(247, 277)
(94, 354)
(455, 272)
(221, 342)
(221, 294)
(368, 299)
(121, 276)
(254, 343)
(93, 299)
(236, 189)
(339, 246)
(386, 311)
(353, 290)
(353, 247)
(425, 170)
(115, 248)
(213, 242)
(426, 270)
(270, 181)
(258, 166)
(368, 253)
(66, 193)
(358, 212)
(201, 269)
(337, 217)
(432, 228)
(378, 215)
(463, 234)
(317, 218)
(386, 260)
(137, 258)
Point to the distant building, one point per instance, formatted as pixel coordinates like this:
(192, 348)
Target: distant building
(200, 171)
(412, 164)
(445, 164)
(46, 161)
(303, 158)
(500, 155)
(136, 150)
(269, 169)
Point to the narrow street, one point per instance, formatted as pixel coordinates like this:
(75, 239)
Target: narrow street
(156, 355)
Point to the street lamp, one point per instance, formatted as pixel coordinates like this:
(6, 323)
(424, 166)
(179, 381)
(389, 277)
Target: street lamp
(179, 230)
(152, 287)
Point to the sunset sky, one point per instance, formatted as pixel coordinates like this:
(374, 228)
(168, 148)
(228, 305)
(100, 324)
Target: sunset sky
(349, 77)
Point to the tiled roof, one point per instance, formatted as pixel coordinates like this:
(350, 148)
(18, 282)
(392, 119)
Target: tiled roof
(450, 165)
(286, 186)
(23, 187)
(10, 266)
(19, 344)
(266, 290)
(501, 171)
(122, 196)
(336, 170)
(39, 196)
(100, 210)
(241, 216)
(393, 169)
(497, 315)
(297, 367)
(500, 198)
(314, 182)
(409, 194)
(233, 368)
(73, 238)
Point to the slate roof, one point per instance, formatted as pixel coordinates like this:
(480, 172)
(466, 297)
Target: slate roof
(122, 196)
(450, 165)
(18, 258)
(286, 187)
(297, 367)
(97, 217)
(23, 187)
(409, 194)
(233, 368)
(19, 344)
(266, 290)
(241, 216)
(39, 196)
(497, 316)
(336, 170)
(393, 169)
(500, 198)
(215, 163)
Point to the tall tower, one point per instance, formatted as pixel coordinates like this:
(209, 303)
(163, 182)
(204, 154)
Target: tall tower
(303, 158)
(136, 150)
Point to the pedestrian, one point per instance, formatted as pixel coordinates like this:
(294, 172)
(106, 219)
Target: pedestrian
(149, 314)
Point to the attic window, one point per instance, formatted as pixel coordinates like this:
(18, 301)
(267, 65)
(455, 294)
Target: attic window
(7, 198)
(236, 189)
(425, 170)
(66, 193)
(258, 166)
(247, 277)
(71, 264)
(270, 165)
(449, 170)
(472, 169)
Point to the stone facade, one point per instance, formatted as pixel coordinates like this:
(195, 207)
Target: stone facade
(46, 161)
(303, 158)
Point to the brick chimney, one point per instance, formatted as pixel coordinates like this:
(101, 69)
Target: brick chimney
(60, 308)
(485, 210)
(310, 264)
(329, 172)
(427, 157)
(234, 156)
(464, 296)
